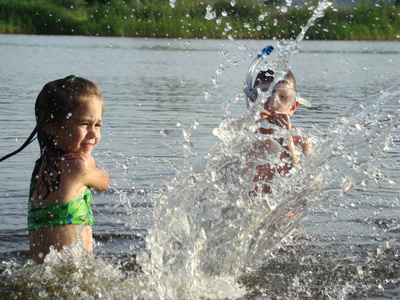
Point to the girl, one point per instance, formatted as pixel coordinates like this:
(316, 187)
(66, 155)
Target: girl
(68, 120)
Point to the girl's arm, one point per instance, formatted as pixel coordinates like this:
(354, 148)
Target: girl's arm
(84, 170)
(93, 176)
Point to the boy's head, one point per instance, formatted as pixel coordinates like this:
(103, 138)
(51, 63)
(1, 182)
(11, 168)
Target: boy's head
(283, 98)
(268, 77)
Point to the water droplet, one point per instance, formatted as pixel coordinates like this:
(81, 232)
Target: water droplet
(228, 27)
(207, 94)
(186, 134)
(43, 294)
(177, 247)
(209, 13)
(164, 132)
(261, 17)
(215, 80)
(196, 123)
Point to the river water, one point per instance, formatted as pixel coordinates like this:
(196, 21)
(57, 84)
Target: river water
(164, 98)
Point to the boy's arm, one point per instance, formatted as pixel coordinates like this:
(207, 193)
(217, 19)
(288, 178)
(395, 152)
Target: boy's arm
(304, 144)
(283, 120)
(292, 142)
(289, 145)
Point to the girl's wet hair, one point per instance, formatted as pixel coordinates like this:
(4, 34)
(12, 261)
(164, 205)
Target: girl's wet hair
(268, 76)
(56, 100)
(54, 103)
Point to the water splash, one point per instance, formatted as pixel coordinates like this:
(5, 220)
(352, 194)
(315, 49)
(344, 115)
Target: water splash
(358, 143)
(67, 274)
(208, 226)
(285, 49)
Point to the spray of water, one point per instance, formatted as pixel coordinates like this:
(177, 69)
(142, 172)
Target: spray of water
(358, 143)
(209, 229)
(209, 226)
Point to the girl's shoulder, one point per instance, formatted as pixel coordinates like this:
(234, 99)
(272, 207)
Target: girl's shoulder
(82, 169)
(74, 161)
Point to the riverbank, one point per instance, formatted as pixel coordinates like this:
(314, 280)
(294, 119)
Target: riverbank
(240, 19)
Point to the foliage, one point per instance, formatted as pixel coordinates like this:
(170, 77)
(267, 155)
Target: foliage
(239, 19)
(41, 18)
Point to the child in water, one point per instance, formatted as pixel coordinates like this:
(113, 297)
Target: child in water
(277, 110)
(68, 120)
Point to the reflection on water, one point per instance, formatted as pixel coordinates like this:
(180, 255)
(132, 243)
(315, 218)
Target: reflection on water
(368, 273)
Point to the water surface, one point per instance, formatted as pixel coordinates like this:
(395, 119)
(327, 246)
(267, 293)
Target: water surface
(157, 89)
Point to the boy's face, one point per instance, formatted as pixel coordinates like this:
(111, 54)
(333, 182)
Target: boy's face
(282, 99)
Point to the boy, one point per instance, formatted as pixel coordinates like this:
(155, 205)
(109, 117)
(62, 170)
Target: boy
(277, 110)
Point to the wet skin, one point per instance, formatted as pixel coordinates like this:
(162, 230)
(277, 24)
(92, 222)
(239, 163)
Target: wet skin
(77, 136)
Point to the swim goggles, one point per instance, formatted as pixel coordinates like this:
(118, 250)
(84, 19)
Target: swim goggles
(284, 97)
(252, 93)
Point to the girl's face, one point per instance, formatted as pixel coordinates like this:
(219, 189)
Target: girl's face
(79, 132)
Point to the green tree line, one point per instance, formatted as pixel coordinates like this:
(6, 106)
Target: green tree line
(240, 19)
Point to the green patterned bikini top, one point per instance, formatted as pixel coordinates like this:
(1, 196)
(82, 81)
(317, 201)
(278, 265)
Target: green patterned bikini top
(75, 212)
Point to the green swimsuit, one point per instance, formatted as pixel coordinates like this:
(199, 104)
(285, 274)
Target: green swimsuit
(75, 212)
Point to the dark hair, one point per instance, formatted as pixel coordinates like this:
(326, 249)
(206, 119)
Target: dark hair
(268, 76)
(55, 101)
